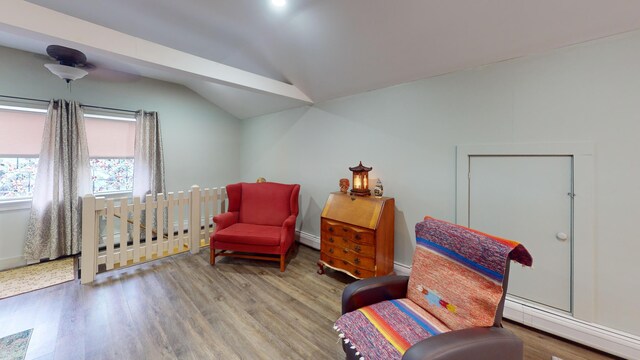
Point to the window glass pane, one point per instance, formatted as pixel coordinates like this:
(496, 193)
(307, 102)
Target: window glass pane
(17, 177)
(109, 175)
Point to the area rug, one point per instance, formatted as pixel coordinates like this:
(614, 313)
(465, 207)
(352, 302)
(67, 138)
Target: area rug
(37, 276)
(14, 347)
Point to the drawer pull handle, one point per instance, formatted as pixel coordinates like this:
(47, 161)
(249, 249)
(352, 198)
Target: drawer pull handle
(357, 272)
(345, 229)
(330, 261)
(331, 250)
(357, 248)
(330, 228)
(345, 250)
(330, 239)
(358, 237)
(357, 261)
(344, 239)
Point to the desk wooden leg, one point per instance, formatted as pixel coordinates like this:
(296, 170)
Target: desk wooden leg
(320, 267)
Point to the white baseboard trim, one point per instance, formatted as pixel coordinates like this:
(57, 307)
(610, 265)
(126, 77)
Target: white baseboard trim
(596, 336)
(401, 269)
(310, 240)
(9, 263)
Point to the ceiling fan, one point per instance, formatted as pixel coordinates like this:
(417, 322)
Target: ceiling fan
(72, 64)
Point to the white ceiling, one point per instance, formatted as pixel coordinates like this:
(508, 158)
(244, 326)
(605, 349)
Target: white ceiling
(333, 48)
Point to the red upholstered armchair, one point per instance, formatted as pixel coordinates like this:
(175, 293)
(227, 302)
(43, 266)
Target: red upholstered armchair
(261, 218)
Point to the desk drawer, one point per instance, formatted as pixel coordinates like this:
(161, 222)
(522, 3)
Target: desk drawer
(349, 232)
(347, 266)
(342, 242)
(349, 255)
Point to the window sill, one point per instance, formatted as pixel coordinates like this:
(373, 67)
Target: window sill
(10, 205)
(114, 194)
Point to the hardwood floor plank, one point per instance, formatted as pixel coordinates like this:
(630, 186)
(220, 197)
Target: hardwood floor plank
(182, 308)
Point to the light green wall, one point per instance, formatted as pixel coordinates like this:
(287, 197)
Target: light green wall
(409, 132)
(200, 140)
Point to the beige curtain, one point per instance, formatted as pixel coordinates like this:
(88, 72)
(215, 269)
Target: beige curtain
(148, 159)
(148, 164)
(63, 176)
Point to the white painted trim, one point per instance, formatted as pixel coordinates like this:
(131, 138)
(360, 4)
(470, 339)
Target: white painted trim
(10, 205)
(596, 336)
(26, 19)
(401, 269)
(14, 262)
(310, 240)
(583, 208)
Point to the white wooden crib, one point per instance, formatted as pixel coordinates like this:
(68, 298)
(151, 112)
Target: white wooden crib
(121, 242)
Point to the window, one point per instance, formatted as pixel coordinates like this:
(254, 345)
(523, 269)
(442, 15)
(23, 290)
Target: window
(17, 176)
(111, 152)
(110, 140)
(20, 139)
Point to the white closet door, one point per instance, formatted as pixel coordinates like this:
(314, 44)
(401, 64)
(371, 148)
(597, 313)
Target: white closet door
(528, 199)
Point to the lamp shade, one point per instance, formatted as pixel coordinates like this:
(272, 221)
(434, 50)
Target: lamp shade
(360, 180)
(67, 73)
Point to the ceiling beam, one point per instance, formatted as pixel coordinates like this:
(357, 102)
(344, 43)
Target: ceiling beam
(26, 19)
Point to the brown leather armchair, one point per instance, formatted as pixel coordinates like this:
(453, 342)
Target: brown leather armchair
(476, 342)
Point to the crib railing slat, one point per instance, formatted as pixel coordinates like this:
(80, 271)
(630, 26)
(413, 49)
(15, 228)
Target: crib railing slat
(109, 234)
(137, 207)
(170, 206)
(207, 219)
(148, 224)
(180, 221)
(124, 235)
(160, 203)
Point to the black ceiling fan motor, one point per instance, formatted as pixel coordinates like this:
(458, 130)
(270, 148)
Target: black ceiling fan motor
(67, 56)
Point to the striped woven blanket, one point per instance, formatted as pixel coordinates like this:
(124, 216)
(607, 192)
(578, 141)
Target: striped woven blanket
(457, 272)
(455, 283)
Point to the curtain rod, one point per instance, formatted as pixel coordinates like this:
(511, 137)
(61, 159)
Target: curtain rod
(87, 106)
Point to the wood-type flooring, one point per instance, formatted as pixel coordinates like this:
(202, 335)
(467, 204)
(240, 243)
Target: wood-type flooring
(182, 308)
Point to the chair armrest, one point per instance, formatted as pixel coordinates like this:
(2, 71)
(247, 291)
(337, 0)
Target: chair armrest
(289, 222)
(373, 290)
(225, 219)
(477, 343)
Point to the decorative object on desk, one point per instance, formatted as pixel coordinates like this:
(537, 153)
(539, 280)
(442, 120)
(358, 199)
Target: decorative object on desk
(344, 185)
(261, 180)
(360, 180)
(379, 189)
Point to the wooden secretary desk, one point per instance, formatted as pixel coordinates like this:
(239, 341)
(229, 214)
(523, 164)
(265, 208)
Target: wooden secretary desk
(356, 235)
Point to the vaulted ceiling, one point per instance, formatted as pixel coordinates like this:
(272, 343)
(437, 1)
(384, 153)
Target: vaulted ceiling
(332, 48)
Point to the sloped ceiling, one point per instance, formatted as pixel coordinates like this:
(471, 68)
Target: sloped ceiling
(333, 48)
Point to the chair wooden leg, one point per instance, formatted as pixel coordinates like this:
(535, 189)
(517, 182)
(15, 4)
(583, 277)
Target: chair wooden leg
(283, 257)
(212, 255)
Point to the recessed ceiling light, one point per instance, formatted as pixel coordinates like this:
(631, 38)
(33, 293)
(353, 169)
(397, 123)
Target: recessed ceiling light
(279, 3)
